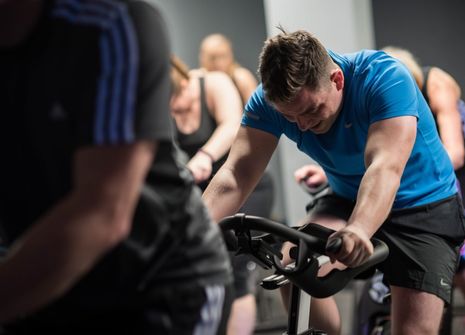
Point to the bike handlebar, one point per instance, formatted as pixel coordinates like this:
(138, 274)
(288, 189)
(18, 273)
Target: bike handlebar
(304, 274)
(242, 222)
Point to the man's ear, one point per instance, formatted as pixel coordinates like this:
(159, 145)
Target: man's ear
(337, 76)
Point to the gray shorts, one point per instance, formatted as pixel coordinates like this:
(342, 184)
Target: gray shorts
(424, 242)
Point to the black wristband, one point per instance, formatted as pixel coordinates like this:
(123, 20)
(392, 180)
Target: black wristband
(207, 153)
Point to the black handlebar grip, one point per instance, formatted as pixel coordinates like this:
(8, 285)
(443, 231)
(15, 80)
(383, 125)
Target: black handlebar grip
(334, 245)
(231, 240)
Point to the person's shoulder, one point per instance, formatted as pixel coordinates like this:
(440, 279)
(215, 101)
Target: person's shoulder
(356, 55)
(373, 69)
(145, 15)
(245, 82)
(375, 61)
(210, 77)
(258, 108)
(91, 12)
(217, 77)
(259, 92)
(197, 73)
(258, 98)
(215, 81)
(438, 74)
(439, 79)
(371, 55)
(243, 73)
(119, 18)
(352, 61)
(143, 8)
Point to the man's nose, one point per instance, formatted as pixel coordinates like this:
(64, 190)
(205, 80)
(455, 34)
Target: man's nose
(301, 122)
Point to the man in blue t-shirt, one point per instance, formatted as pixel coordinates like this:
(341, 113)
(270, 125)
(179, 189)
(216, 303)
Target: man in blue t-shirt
(363, 120)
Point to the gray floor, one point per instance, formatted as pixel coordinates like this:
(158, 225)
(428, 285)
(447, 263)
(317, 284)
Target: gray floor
(272, 319)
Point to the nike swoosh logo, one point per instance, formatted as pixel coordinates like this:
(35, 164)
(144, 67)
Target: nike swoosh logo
(443, 283)
(347, 124)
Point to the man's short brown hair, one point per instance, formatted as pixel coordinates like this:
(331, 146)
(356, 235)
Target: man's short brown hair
(291, 61)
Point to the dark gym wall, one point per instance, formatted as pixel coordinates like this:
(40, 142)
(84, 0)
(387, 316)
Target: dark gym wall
(242, 21)
(433, 30)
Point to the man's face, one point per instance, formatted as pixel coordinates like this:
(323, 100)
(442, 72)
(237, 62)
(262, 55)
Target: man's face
(314, 110)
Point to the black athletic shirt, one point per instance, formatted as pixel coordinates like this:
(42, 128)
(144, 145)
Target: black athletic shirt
(97, 73)
(191, 143)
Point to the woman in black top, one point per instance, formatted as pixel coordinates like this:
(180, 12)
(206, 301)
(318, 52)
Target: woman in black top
(207, 112)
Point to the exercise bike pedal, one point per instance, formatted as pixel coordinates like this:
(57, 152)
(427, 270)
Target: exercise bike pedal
(273, 282)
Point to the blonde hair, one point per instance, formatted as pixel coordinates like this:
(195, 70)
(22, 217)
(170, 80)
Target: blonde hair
(179, 72)
(409, 60)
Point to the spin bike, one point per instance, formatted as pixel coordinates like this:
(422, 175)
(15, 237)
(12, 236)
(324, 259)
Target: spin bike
(259, 238)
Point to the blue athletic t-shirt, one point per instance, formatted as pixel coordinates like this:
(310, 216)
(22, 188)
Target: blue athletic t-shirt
(376, 87)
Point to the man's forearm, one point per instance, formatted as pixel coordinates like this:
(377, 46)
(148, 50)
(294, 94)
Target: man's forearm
(49, 259)
(221, 140)
(375, 199)
(223, 197)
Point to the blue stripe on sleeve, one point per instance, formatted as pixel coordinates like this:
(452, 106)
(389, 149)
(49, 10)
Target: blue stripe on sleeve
(119, 56)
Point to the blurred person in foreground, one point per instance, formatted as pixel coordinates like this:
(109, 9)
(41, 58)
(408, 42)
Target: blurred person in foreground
(106, 231)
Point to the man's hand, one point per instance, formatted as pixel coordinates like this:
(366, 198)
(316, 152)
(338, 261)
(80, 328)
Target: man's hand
(201, 167)
(312, 175)
(356, 246)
